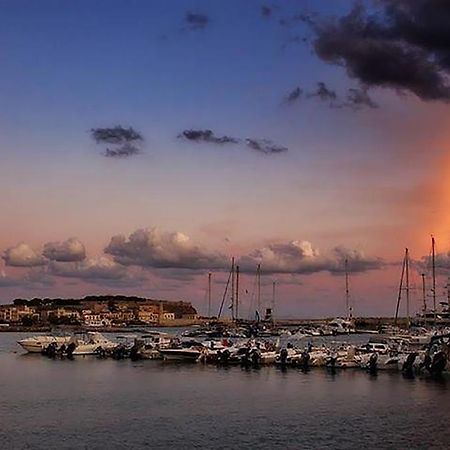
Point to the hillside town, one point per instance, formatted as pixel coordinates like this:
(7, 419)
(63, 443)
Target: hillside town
(97, 312)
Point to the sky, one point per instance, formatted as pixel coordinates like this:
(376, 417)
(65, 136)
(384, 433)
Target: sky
(145, 143)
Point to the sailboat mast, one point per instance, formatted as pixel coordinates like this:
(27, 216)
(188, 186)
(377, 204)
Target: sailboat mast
(233, 275)
(258, 288)
(236, 315)
(433, 268)
(347, 292)
(209, 294)
(407, 285)
(424, 299)
(400, 288)
(273, 300)
(448, 291)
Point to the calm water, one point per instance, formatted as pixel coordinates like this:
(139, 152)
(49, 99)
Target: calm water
(96, 404)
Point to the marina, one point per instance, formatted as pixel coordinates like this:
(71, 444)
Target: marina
(422, 352)
(138, 403)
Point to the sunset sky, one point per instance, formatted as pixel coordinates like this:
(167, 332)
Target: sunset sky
(144, 143)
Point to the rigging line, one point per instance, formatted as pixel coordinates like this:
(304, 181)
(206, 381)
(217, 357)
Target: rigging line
(252, 298)
(224, 295)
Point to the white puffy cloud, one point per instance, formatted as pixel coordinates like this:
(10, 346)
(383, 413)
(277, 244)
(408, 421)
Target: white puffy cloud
(292, 257)
(96, 268)
(33, 279)
(66, 251)
(157, 249)
(357, 261)
(22, 255)
(154, 248)
(302, 258)
(101, 271)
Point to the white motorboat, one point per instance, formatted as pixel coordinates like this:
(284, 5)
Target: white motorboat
(90, 344)
(37, 344)
(191, 354)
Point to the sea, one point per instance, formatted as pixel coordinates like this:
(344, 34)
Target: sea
(88, 403)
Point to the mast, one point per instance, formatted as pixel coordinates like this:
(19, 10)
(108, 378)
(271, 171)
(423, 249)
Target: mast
(424, 299)
(448, 292)
(236, 315)
(274, 283)
(258, 288)
(433, 268)
(347, 292)
(224, 296)
(209, 294)
(233, 275)
(407, 285)
(400, 288)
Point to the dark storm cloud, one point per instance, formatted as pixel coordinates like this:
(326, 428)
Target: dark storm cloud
(355, 99)
(265, 146)
(121, 142)
(207, 136)
(302, 17)
(196, 21)
(322, 92)
(115, 135)
(359, 98)
(294, 95)
(124, 151)
(266, 11)
(404, 46)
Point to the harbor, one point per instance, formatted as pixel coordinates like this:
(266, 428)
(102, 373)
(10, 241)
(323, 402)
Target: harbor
(417, 352)
(137, 403)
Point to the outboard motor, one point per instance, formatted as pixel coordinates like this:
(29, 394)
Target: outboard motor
(408, 365)
(245, 358)
(438, 364)
(62, 350)
(119, 352)
(100, 352)
(304, 363)
(134, 352)
(331, 363)
(70, 349)
(50, 351)
(256, 358)
(373, 363)
(283, 357)
(224, 356)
